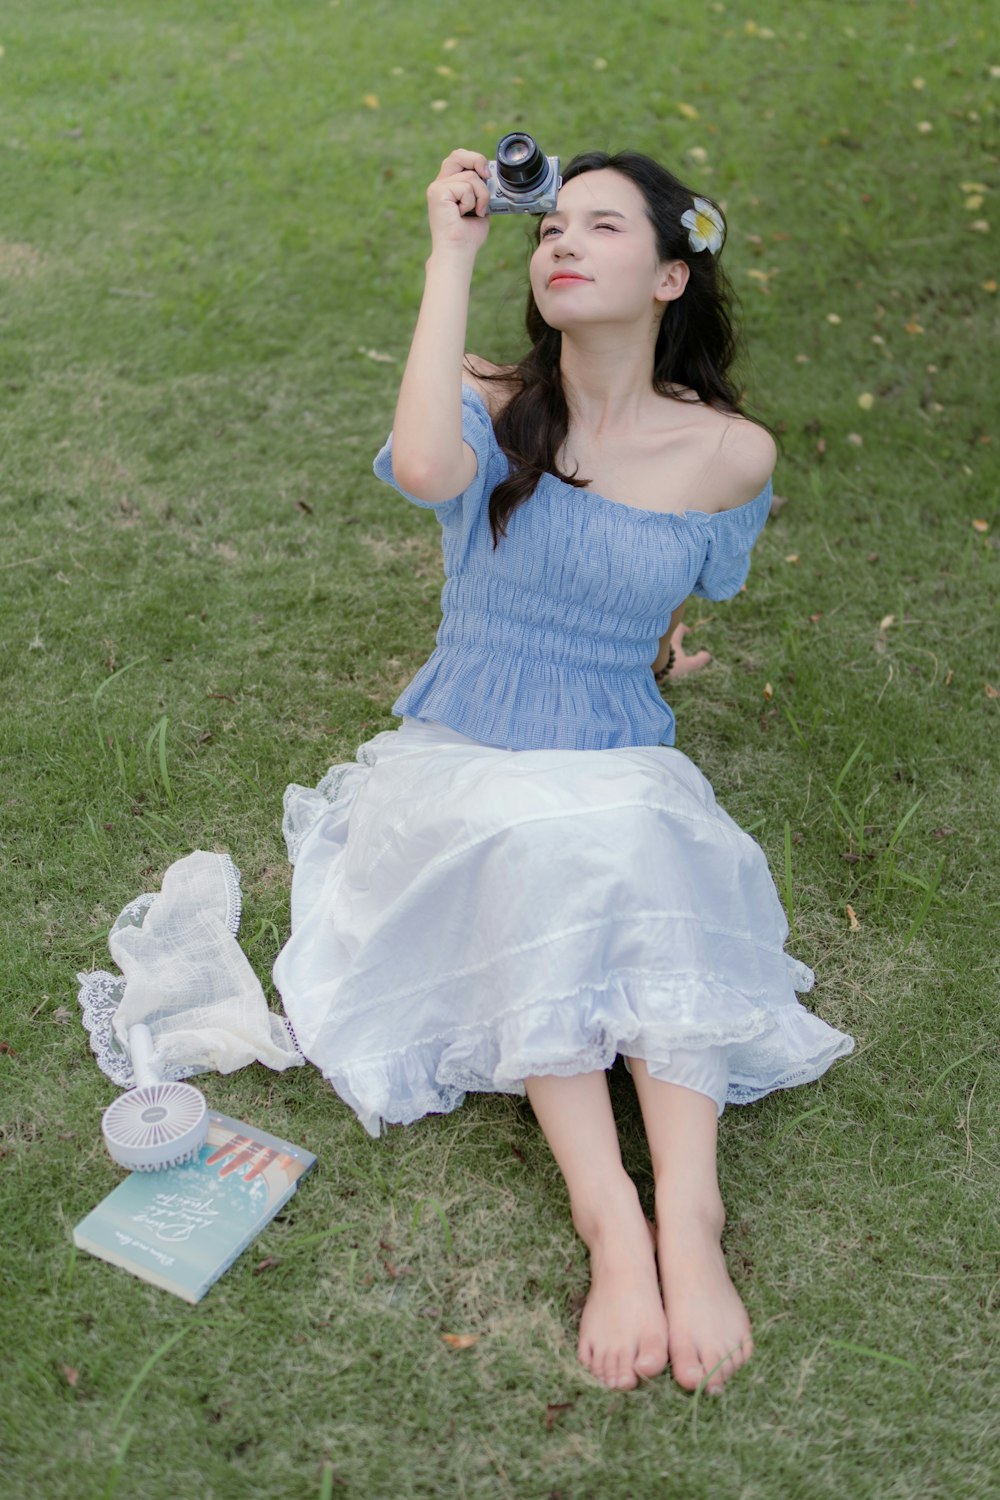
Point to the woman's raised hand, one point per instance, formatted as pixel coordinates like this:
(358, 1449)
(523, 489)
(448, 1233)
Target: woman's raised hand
(458, 202)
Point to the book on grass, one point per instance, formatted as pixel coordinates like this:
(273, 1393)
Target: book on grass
(181, 1227)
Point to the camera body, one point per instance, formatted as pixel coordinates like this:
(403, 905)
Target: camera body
(522, 180)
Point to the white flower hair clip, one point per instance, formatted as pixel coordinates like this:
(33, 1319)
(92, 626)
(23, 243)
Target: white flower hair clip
(705, 225)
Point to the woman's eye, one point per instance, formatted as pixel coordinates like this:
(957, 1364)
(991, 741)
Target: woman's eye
(549, 229)
(613, 227)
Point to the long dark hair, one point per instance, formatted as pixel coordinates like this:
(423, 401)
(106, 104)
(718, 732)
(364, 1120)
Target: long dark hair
(695, 346)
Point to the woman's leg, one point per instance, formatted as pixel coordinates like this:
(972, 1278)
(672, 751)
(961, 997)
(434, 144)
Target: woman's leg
(709, 1328)
(623, 1332)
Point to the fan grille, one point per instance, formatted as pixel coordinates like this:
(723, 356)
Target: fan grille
(153, 1125)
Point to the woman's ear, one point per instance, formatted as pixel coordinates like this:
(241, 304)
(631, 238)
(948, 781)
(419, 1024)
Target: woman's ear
(673, 280)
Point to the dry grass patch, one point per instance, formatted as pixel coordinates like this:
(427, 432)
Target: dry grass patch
(20, 261)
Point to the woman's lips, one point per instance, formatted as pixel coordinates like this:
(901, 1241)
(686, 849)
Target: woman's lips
(565, 276)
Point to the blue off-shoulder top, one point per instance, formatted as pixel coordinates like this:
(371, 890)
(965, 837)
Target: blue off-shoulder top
(547, 642)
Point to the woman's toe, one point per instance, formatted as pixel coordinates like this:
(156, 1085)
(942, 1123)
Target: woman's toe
(686, 1368)
(651, 1359)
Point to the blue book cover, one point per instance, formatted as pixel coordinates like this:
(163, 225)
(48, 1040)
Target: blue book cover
(181, 1227)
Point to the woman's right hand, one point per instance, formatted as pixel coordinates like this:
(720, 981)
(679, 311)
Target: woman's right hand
(458, 203)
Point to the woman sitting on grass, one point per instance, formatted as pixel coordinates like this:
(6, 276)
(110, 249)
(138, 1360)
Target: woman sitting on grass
(525, 880)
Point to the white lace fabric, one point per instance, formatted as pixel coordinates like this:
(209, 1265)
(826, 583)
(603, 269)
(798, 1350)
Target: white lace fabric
(184, 975)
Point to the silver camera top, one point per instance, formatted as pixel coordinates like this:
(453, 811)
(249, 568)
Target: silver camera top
(522, 180)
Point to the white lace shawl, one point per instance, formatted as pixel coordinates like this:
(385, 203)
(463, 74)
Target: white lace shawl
(186, 977)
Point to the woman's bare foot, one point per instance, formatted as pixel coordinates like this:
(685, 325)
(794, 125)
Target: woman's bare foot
(709, 1328)
(684, 664)
(623, 1331)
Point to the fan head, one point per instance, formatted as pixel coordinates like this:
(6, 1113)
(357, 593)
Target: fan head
(158, 1125)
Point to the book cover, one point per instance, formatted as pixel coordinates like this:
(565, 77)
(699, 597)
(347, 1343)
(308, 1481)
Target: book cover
(181, 1227)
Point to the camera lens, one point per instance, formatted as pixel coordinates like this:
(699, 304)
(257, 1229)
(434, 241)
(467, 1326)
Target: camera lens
(521, 166)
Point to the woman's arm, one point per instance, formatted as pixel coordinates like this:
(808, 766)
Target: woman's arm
(429, 458)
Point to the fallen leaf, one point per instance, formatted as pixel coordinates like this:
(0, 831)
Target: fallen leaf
(855, 924)
(973, 187)
(913, 327)
(924, 127)
(460, 1340)
(449, 44)
(377, 356)
(599, 64)
(266, 1264)
(990, 690)
(371, 100)
(918, 83)
(71, 1376)
(883, 631)
(866, 400)
(974, 201)
(821, 447)
(792, 557)
(768, 692)
(989, 286)
(872, 557)
(438, 105)
(942, 833)
(60, 1015)
(443, 71)
(833, 318)
(980, 226)
(554, 1411)
(304, 507)
(981, 526)
(8, 1049)
(949, 677)
(855, 439)
(816, 618)
(688, 111)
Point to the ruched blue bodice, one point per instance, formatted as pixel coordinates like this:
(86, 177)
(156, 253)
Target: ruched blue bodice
(547, 642)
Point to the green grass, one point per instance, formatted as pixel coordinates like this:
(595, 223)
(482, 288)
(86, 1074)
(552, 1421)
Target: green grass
(207, 233)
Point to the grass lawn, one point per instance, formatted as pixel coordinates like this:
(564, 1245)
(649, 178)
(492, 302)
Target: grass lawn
(211, 250)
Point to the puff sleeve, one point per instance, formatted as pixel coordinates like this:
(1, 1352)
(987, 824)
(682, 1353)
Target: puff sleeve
(730, 535)
(491, 462)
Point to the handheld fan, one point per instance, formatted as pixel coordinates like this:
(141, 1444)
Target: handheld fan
(156, 1124)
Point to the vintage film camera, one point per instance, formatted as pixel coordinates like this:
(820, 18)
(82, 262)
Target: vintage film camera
(522, 179)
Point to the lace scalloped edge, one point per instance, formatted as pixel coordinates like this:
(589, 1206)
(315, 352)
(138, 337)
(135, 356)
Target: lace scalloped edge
(234, 893)
(99, 997)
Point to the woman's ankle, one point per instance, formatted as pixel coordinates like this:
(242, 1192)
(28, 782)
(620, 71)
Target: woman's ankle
(605, 1208)
(690, 1208)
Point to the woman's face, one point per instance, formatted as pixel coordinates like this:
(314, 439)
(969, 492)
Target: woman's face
(596, 260)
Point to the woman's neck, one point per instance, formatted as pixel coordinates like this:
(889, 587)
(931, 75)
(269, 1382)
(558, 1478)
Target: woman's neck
(608, 382)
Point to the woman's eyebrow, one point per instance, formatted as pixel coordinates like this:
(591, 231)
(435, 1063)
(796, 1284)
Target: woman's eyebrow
(592, 213)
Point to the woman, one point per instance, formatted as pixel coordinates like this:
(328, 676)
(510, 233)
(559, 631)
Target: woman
(525, 879)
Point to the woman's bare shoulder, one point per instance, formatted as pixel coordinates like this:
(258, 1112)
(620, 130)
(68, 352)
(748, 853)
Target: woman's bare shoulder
(744, 459)
(494, 383)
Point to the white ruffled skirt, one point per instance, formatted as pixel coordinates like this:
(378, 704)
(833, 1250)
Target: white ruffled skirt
(464, 917)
